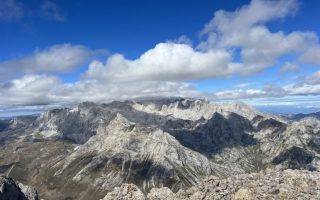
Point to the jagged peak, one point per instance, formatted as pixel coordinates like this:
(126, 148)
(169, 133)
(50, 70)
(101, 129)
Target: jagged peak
(217, 115)
(241, 108)
(120, 122)
(120, 118)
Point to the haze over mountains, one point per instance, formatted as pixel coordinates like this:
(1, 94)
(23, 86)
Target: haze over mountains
(87, 151)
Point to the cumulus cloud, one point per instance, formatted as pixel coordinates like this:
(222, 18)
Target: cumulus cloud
(259, 47)
(311, 56)
(244, 29)
(49, 90)
(258, 11)
(307, 86)
(303, 89)
(44, 89)
(101, 92)
(165, 62)
(58, 58)
(29, 90)
(165, 69)
(241, 94)
(183, 39)
(313, 79)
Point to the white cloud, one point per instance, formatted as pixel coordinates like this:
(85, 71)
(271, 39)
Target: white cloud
(241, 94)
(303, 89)
(313, 79)
(49, 90)
(45, 90)
(58, 58)
(101, 92)
(257, 12)
(163, 70)
(243, 85)
(183, 39)
(30, 89)
(311, 56)
(165, 62)
(307, 86)
(246, 30)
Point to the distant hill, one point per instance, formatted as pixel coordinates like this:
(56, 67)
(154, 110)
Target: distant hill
(297, 117)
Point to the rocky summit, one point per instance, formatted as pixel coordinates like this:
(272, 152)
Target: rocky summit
(163, 148)
(267, 184)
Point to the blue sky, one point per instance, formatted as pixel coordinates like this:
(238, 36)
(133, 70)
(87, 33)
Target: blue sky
(59, 53)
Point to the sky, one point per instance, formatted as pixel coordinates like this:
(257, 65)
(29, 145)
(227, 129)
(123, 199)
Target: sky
(58, 53)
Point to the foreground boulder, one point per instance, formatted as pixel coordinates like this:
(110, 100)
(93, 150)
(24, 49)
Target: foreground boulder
(10, 190)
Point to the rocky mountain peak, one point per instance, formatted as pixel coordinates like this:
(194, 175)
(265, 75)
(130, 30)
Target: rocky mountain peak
(241, 109)
(171, 144)
(120, 121)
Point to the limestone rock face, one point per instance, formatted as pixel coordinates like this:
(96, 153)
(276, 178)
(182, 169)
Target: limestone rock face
(194, 109)
(21, 122)
(10, 190)
(77, 124)
(126, 151)
(167, 143)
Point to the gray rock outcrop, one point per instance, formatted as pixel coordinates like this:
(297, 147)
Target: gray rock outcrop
(10, 190)
(125, 192)
(172, 144)
(282, 185)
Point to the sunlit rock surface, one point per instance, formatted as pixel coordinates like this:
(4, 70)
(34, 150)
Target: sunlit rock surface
(173, 143)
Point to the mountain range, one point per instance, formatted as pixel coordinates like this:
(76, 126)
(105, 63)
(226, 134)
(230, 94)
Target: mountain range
(93, 151)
